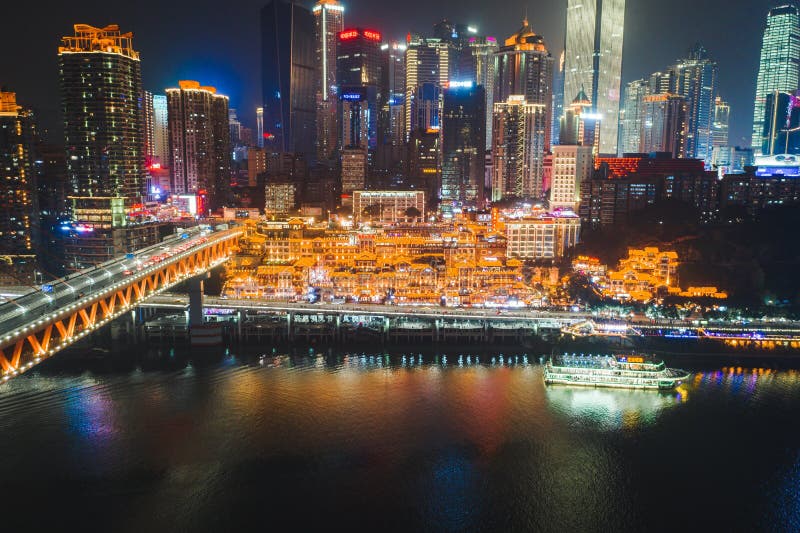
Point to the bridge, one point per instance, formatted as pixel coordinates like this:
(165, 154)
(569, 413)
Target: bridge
(38, 324)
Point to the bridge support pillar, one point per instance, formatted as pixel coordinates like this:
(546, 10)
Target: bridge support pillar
(195, 286)
(289, 326)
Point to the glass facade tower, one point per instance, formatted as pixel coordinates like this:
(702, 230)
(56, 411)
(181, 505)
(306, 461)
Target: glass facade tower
(593, 60)
(779, 65)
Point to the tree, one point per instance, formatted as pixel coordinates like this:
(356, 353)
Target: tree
(413, 212)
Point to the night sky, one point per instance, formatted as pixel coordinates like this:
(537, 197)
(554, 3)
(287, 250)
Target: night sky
(217, 42)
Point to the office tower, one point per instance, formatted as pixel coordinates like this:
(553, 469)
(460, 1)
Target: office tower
(463, 145)
(235, 127)
(695, 78)
(19, 222)
(632, 116)
(260, 127)
(578, 124)
(719, 127)
(523, 66)
(426, 112)
(572, 166)
(101, 91)
(391, 124)
(199, 141)
(328, 24)
(427, 61)
(558, 104)
(781, 134)
(148, 120)
(424, 161)
(779, 64)
(354, 170)
(358, 73)
(482, 73)
(289, 73)
(593, 60)
(160, 130)
(518, 140)
(664, 124)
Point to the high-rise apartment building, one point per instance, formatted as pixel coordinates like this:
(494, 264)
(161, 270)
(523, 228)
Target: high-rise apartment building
(632, 115)
(18, 194)
(199, 140)
(160, 130)
(391, 117)
(558, 100)
(719, 127)
(427, 62)
(572, 167)
(695, 78)
(779, 66)
(328, 24)
(578, 123)
(664, 124)
(354, 170)
(101, 92)
(524, 66)
(463, 145)
(518, 139)
(289, 74)
(593, 60)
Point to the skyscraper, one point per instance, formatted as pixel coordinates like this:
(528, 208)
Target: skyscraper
(328, 23)
(523, 66)
(199, 140)
(779, 64)
(260, 127)
(288, 73)
(558, 100)
(518, 137)
(101, 99)
(18, 211)
(695, 78)
(782, 124)
(427, 61)
(593, 60)
(664, 124)
(463, 145)
(722, 113)
(482, 73)
(358, 72)
(632, 116)
(572, 166)
(160, 130)
(391, 118)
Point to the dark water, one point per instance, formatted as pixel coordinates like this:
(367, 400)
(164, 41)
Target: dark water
(304, 443)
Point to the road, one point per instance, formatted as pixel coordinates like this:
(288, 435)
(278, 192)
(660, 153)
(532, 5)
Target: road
(85, 284)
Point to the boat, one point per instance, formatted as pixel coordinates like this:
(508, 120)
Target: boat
(626, 371)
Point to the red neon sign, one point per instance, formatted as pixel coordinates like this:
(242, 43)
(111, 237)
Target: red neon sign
(348, 34)
(372, 35)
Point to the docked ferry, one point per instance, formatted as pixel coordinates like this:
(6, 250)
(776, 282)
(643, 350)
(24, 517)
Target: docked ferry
(628, 371)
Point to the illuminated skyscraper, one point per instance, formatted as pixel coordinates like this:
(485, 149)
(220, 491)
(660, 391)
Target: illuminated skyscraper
(18, 211)
(199, 139)
(427, 61)
(101, 102)
(328, 23)
(632, 116)
(572, 166)
(780, 62)
(523, 66)
(289, 73)
(260, 127)
(391, 119)
(664, 124)
(782, 124)
(483, 50)
(593, 60)
(722, 113)
(558, 100)
(463, 145)
(160, 130)
(518, 138)
(358, 72)
(695, 78)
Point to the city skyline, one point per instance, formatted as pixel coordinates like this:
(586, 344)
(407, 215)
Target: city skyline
(232, 62)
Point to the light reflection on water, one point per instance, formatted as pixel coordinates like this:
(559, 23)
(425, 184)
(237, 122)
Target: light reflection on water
(425, 441)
